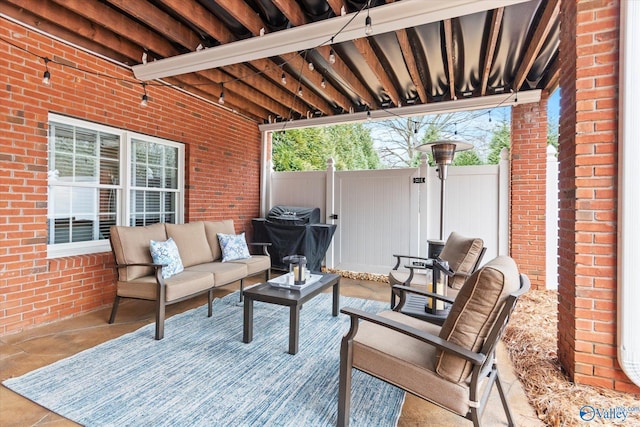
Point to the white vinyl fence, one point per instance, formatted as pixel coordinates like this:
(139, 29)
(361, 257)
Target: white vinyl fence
(395, 211)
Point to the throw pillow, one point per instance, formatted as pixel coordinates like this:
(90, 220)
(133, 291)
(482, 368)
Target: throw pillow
(233, 246)
(166, 253)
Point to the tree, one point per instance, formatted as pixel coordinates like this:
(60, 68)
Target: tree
(398, 138)
(501, 139)
(350, 146)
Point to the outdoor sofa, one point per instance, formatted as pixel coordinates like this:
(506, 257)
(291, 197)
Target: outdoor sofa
(189, 261)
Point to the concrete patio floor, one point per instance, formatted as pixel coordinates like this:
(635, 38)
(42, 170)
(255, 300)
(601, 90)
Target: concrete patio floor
(24, 352)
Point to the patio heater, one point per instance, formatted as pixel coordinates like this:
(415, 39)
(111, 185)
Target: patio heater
(443, 152)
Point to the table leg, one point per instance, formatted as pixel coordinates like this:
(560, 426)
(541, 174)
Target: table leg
(336, 298)
(247, 325)
(294, 328)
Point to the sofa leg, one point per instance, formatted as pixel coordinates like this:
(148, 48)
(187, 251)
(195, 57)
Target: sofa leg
(160, 314)
(114, 310)
(241, 289)
(210, 302)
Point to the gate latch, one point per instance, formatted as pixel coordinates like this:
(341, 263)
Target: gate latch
(419, 180)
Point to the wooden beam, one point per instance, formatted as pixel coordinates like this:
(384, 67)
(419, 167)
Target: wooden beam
(552, 79)
(159, 21)
(274, 72)
(55, 20)
(494, 31)
(448, 41)
(336, 6)
(364, 47)
(296, 62)
(292, 11)
(348, 77)
(549, 15)
(242, 13)
(202, 18)
(410, 60)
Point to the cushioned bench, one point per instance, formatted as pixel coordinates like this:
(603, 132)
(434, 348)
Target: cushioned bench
(189, 261)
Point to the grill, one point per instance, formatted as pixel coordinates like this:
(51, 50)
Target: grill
(294, 230)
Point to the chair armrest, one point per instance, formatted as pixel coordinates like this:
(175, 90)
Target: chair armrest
(264, 246)
(450, 347)
(141, 264)
(400, 257)
(411, 290)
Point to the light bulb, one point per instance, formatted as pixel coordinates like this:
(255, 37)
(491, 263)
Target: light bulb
(145, 100)
(283, 79)
(323, 83)
(221, 99)
(311, 67)
(368, 27)
(300, 91)
(46, 78)
(332, 56)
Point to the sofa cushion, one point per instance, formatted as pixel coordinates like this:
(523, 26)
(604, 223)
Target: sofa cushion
(474, 311)
(131, 245)
(179, 286)
(462, 253)
(223, 272)
(212, 228)
(192, 242)
(233, 246)
(166, 252)
(255, 264)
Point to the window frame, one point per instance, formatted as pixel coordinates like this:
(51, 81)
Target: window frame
(123, 189)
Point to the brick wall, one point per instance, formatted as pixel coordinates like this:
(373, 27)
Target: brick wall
(588, 194)
(222, 176)
(528, 189)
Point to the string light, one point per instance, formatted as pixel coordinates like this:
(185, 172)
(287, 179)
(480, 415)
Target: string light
(283, 79)
(489, 116)
(332, 56)
(368, 115)
(221, 99)
(145, 98)
(455, 127)
(300, 91)
(46, 78)
(323, 83)
(368, 27)
(311, 66)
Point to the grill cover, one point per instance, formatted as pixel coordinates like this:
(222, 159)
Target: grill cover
(293, 215)
(294, 230)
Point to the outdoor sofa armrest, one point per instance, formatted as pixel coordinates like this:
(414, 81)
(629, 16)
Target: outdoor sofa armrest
(264, 246)
(399, 258)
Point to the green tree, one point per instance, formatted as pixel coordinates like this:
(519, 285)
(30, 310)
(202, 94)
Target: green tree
(501, 139)
(350, 146)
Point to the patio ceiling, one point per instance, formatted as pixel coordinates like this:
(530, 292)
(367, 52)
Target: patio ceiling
(419, 53)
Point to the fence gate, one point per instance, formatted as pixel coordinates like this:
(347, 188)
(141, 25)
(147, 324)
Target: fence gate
(378, 216)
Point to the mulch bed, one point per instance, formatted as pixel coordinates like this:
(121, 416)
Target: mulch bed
(530, 338)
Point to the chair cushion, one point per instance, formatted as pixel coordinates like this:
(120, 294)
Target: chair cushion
(474, 311)
(462, 253)
(191, 241)
(131, 245)
(406, 361)
(212, 228)
(233, 246)
(166, 253)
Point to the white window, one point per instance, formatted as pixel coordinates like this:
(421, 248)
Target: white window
(101, 176)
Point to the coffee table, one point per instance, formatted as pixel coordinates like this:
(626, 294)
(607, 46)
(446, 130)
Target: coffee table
(294, 299)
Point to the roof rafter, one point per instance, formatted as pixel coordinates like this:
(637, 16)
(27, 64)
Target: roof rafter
(494, 32)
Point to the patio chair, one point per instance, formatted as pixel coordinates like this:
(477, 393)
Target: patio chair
(453, 365)
(463, 255)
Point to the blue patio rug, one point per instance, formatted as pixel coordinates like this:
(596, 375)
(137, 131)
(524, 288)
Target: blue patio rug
(202, 374)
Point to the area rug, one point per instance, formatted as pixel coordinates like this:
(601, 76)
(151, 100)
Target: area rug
(202, 373)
